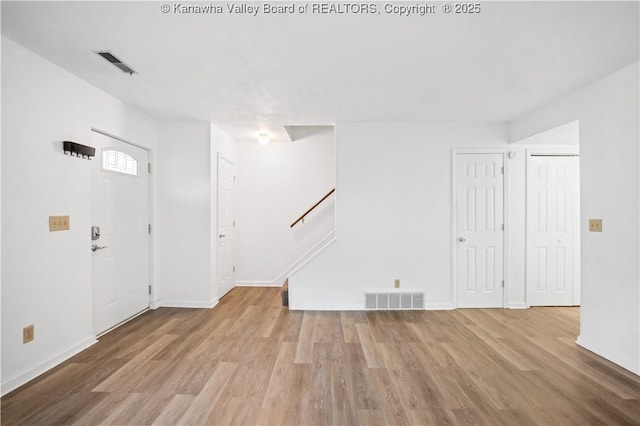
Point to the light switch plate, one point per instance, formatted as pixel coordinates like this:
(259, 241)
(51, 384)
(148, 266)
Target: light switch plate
(595, 225)
(58, 223)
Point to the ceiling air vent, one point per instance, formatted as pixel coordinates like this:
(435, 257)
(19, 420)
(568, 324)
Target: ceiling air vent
(117, 62)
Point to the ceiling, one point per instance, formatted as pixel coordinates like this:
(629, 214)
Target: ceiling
(319, 69)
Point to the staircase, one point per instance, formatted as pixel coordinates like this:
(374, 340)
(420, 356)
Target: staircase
(284, 293)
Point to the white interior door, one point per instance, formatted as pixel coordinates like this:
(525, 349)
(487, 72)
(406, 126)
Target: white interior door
(479, 230)
(553, 236)
(120, 208)
(226, 224)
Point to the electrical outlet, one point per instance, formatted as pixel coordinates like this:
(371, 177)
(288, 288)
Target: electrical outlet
(58, 223)
(595, 225)
(27, 334)
(396, 283)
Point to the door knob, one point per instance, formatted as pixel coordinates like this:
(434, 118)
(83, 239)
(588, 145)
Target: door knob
(462, 239)
(96, 247)
(222, 235)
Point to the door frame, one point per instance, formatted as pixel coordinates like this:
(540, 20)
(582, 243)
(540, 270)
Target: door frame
(153, 304)
(560, 151)
(217, 231)
(454, 211)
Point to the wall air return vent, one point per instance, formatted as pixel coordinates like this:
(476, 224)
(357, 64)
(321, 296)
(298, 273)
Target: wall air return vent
(393, 301)
(117, 62)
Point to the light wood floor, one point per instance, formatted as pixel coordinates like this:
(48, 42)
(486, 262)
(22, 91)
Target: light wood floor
(250, 361)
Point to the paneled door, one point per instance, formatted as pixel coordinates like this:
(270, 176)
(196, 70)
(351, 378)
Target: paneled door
(553, 235)
(120, 234)
(479, 230)
(226, 225)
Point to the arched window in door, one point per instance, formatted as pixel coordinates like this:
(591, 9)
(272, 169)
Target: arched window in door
(120, 162)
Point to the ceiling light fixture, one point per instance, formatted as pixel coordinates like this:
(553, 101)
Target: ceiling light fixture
(263, 139)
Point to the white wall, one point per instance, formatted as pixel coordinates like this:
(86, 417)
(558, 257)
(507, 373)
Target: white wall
(1, 380)
(184, 205)
(393, 214)
(275, 185)
(608, 112)
(46, 277)
(562, 138)
(515, 228)
(188, 173)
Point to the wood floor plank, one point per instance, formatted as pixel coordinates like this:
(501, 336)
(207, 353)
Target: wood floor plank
(503, 347)
(66, 409)
(329, 329)
(124, 411)
(371, 417)
(200, 408)
(268, 321)
(437, 415)
(254, 371)
(109, 402)
(174, 410)
(361, 381)
(571, 356)
(186, 378)
(280, 386)
(390, 405)
(129, 372)
(250, 361)
(247, 412)
(342, 396)
(432, 354)
(372, 353)
(304, 350)
(349, 331)
(287, 326)
(224, 410)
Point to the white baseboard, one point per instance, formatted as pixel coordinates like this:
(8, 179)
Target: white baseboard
(45, 366)
(278, 281)
(326, 307)
(193, 304)
(355, 306)
(155, 304)
(627, 364)
(439, 307)
(319, 247)
(258, 284)
(299, 263)
(518, 306)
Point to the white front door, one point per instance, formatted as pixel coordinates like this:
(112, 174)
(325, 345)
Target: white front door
(120, 208)
(226, 224)
(553, 236)
(479, 230)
